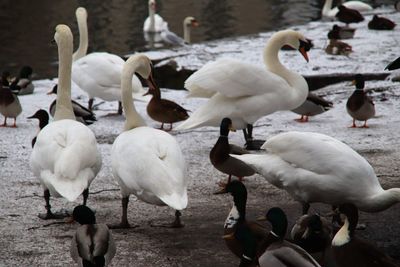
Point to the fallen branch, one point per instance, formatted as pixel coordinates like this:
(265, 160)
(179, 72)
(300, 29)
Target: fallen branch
(46, 225)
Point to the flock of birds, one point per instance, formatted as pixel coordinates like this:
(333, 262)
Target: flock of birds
(149, 163)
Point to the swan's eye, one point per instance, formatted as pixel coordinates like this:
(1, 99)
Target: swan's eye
(305, 44)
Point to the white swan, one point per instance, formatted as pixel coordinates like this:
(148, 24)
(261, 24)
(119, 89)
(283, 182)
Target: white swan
(329, 12)
(147, 162)
(173, 39)
(245, 92)
(154, 22)
(314, 167)
(98, 74)
(65, 157)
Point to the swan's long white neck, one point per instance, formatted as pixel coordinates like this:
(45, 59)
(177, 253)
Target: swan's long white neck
(327, 7)
(63, 105)
(380, 201)
(83, 36)
(152, 26)
(186, 32)
(271, 60)
(133, 119)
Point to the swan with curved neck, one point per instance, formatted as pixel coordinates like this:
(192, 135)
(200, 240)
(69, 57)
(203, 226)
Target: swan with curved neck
(81, 17)
(329, 12)
(255, 91)
(65, 157)
(147, 162)
(314, 167)
(98, 73)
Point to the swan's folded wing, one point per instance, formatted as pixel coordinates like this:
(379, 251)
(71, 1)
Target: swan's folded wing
(232, 78)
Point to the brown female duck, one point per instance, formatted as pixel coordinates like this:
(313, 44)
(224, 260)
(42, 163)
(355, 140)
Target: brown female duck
(359, 105)
(10, 107)
(336, 47)
(244, 238)
(349, 251)
(164, 110)
(222, 161)
(341, 32)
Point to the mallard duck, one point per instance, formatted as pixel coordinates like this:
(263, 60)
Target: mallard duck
(43, 118)
(234, 85)
(81, 113)
(348, 15)
(350, 251)
(23, 83)
(314, 167)
(381, 23)
(281, 253)
(219, 155)
(314, 234)
(394, 65)
(147, 162)
(173, 39)
(338, 32)
(313, 105)
(359, 105)
(329, 12)
(10, 107)
(99, 73)
(244, 238)
(65, 157)
(164, 110)
(92, 244)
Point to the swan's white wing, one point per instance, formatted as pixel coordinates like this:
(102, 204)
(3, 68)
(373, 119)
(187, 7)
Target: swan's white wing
(318, 153)
(65, 158)
(99, 74)
(148, 162)
(314, 167)
(232, 78)
(242, 110)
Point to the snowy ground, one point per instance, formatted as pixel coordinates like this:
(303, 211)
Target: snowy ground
(28, 241)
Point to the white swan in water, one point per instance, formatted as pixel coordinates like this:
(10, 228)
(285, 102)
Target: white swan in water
(329, 12)
(99, 73)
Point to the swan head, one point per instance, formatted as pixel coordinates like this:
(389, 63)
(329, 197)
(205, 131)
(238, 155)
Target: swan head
(191, 21)
(83, 215)
(152, 5)
(294, 39)
(63, 34)
(81, 13)
(143, 67)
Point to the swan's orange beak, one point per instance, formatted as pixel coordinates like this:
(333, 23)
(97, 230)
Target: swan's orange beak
(304, 53)
(195, 23)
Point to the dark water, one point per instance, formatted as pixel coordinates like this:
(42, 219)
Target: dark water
(115, 26)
